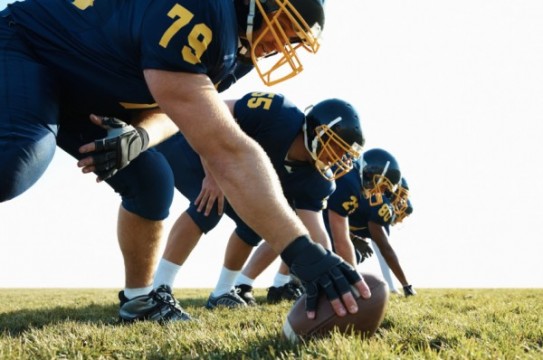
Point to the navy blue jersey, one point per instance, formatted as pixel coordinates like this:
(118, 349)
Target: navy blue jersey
(274, 122)
(99, 48)
(348, 201)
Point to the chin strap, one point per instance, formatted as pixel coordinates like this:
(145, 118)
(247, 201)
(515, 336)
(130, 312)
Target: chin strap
(306, 143)
(250, 21)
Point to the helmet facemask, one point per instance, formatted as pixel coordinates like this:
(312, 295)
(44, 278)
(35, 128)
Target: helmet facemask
(333, 156)
(374, 186)
(300, 35)
(400, 202)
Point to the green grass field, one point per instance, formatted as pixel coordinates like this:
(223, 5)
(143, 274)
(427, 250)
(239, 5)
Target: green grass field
(436, 324)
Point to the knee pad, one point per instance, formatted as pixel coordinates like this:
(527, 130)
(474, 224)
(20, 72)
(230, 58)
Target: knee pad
(146, 186)
(205, 223)
(248, 236)
(243, 230)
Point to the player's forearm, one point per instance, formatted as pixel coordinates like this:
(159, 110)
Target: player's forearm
(392, 260)
(157, 124)
(345, 249)
(253, 189)
(312, 220)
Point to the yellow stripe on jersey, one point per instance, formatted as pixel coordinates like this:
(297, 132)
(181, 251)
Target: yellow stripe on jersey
(134, 106)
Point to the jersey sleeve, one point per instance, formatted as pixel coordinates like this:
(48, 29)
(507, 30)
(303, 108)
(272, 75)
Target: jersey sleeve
(382, 214)
(345, 199)
(189, 36)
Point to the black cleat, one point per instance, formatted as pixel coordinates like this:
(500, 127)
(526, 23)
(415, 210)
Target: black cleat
(159, 305)
(290, 291)
(230, 300)
(246, 293)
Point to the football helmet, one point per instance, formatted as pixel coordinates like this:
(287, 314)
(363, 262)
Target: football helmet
(293, 24)
(400, 202)
(380, 175)
(333, 136)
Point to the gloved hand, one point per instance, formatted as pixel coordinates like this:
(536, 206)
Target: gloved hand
(318, 268)
(123, 144)
(409, 291)
(363, 247)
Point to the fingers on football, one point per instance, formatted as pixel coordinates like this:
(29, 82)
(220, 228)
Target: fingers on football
(312, 296)
(350, 273)
(356, 279)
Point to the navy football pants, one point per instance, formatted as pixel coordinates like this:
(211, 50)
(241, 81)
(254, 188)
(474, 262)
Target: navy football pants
(189, 174)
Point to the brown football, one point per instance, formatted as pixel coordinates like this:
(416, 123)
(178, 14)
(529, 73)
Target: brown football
(365, 322)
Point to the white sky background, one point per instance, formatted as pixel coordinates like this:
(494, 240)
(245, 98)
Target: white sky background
(453, 88)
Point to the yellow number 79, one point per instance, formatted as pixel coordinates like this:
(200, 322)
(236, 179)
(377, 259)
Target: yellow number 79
(199, 37)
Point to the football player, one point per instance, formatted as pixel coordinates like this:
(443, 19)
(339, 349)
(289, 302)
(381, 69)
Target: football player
(402, 206)
(361, 208)
(308, 153)
(156, 64)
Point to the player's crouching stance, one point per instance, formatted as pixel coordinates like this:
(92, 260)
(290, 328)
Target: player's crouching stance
(307, 151)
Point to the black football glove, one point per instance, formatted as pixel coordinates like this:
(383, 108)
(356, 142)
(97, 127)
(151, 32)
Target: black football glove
(123, 144)
(409, 291)
(363, 247)
(318, 269)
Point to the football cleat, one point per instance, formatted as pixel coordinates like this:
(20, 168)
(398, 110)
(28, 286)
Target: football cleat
(230, 300)
(246, 293)
(409, 291)
(122, 298)
(159, 305)
(290, 291)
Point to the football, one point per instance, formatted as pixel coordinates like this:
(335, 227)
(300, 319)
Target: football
(365, 322)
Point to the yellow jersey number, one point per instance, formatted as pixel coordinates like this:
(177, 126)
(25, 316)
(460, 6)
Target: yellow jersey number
(385, 212)
(260, 99)
(199, 37)
(351, 205)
